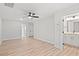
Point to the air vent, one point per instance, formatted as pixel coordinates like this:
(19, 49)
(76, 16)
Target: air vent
(9, 4)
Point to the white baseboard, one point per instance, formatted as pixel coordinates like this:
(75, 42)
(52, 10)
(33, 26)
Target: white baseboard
(44, 40)
(11, 38)
(74, 44)
(24, 37)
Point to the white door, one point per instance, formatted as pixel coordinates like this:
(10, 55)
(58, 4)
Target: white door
(59, 43)
(31, 29)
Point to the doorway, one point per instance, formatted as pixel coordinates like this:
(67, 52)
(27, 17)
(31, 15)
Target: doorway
(30, 29)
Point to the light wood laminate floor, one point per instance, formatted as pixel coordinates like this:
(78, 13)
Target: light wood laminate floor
(34, 47)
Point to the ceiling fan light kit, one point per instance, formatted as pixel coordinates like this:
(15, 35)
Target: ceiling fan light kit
(32, 15)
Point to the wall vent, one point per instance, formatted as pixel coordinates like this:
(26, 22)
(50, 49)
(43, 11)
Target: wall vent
(9, 5)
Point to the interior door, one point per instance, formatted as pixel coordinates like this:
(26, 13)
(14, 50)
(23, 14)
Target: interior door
(59, 24)
(31, 29)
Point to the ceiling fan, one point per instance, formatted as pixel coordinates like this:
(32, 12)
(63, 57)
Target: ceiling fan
(32, 15)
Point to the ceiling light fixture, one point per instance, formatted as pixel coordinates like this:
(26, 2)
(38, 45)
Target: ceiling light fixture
(32, 15)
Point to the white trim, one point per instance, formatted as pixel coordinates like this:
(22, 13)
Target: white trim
(11, 38)
(44, 40)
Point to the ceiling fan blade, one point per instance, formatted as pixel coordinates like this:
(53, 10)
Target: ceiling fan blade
(29, 15)
(35, 16)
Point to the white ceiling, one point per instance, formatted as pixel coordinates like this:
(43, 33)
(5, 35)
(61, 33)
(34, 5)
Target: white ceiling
(42, 9)
(43, 6)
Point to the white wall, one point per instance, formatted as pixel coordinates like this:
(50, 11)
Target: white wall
(0, 30)
(11, 29)
(44, 29)
(0, 27)
(11, 26)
